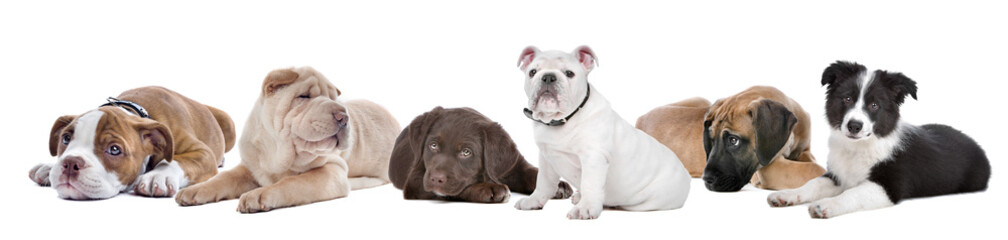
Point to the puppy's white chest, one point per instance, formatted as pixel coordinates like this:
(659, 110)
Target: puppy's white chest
(852, 162)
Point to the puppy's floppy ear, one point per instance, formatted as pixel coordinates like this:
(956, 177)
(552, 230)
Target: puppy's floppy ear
(278, 79)
(55, 139)
(899, 85)
(500, 154)
(586, 57)
(840, 70)
(157, 140)
(409, 146)
(526, 57)
(773, 124)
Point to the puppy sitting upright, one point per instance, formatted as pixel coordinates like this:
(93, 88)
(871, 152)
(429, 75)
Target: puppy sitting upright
(150, 140)
(302, 144)
(583, 140)
(877, 160)
(459, 154)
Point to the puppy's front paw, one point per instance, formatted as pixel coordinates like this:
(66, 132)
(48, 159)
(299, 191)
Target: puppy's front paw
(157, 184)
(564, 191)
(258, 200)
(199, 194)
(784, 198)
(487, 193)
(528, 203)
(819, 210)
(584, 212)
(40, 174)
(576, 198)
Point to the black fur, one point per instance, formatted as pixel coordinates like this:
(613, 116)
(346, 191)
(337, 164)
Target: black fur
(936, 160)
(831, 177)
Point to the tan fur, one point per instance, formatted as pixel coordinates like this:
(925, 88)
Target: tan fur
(201, 136)
(680, 128)
(284, 162)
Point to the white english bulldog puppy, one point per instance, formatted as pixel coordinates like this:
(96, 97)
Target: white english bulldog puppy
(580, 138)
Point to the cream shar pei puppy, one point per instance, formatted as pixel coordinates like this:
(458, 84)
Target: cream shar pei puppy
(301, 144)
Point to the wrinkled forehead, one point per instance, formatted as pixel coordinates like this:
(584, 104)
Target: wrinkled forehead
(554, 59)
(314, 84)
(734, 118)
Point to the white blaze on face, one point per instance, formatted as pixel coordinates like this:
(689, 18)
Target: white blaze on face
(858, 112)
(92, 181)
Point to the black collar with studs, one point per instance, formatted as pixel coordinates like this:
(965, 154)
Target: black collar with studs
(528, 112)
(129, 106)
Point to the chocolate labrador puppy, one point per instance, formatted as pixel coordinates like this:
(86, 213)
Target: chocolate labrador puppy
(457, 154)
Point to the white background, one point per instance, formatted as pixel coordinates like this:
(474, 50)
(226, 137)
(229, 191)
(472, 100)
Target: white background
(67, 57)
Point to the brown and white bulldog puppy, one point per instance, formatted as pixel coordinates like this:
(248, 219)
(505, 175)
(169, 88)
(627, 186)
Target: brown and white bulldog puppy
(758, 135)
(302, 144)
(140, 141)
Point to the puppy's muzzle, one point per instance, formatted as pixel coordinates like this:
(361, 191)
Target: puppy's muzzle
(549, 78)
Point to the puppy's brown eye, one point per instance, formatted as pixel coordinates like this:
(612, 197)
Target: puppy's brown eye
(304, 96)
(733, 141)
(847, 100)
(569, 73)
(874, 106)
(465, 152)
(433, 146)
(66, 138)
(532, 72)
(114, 150)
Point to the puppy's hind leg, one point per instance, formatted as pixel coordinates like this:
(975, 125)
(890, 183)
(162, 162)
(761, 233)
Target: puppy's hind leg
(322, 183)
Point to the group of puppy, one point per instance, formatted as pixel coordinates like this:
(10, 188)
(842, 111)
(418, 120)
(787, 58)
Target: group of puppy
(303, 144)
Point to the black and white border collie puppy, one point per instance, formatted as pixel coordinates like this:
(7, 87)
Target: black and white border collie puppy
(876, 160)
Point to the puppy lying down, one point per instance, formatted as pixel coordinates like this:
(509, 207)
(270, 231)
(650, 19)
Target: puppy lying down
(457, 154)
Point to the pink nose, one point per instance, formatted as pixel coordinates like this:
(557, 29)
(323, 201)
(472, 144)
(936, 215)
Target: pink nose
(72, 166)
(341, 118)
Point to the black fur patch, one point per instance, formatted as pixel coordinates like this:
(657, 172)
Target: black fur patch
(841, 80)
(831, 177)
(936, 160)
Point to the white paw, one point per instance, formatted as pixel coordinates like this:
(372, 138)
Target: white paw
(784, 198)
(583, 212)
(820, 210)
(528, 203)
(576, 198)
(163, 181)
(40, 174)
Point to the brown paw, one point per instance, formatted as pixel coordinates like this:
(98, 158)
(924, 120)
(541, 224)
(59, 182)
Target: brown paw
(564, 191)
(487, 193)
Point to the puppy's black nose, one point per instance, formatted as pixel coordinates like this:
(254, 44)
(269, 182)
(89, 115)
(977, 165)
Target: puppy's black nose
(549, 78)
(72, 166)
(854, 126)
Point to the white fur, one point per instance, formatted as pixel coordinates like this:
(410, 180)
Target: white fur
(92, 182)
(164, 180)
(610, 162)
(858, 112)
